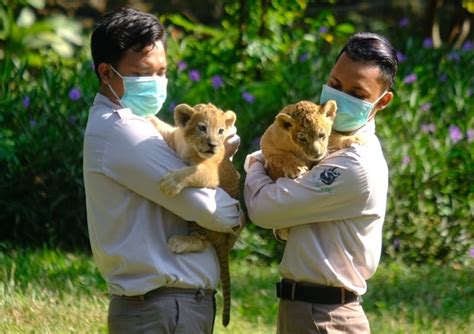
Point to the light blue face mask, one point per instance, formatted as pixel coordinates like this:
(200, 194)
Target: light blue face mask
(143, 95)
(352, 113)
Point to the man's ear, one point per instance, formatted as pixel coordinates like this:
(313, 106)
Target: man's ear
(182, 114)
(284, 121)
(329, 109)
(384, 101)
(230, 118)
(105, 73)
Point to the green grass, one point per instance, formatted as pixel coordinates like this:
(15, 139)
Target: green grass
(47, 291)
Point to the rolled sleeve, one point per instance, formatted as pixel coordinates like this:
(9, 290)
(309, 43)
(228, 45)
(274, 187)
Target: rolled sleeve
(137, 157)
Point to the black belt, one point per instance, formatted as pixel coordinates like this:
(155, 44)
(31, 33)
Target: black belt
(315, 294)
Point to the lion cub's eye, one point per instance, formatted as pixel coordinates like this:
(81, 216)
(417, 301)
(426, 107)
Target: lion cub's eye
(221, 131)
(322, 135)
(202, 127)
(301, 137)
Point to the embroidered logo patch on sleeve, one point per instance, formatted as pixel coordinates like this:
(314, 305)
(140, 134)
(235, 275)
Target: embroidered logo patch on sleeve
(329, 175)
(325, 179)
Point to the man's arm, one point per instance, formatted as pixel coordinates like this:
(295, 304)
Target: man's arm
(335, 189)
(137, 157)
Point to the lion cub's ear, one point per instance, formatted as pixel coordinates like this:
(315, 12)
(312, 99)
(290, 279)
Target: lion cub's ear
(230, 118)
(182, 114)
(329, 109)
(284, 121)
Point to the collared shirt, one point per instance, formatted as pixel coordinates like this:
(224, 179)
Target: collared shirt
(335, 213)
(130, 220)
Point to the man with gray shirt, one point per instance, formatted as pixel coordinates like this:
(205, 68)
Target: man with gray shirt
(129, 219)
(336, 210)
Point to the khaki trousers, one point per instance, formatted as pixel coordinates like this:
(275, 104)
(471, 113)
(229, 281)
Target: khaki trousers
(295, 317)
(169, 311)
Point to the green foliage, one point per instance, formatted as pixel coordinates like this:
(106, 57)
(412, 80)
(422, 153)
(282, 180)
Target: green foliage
(48, 291)
(255, 66)
(428, 137)
(27, 39)
(42, 123)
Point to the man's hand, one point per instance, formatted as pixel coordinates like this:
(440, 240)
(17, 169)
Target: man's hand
(252, 158)
(231, 142)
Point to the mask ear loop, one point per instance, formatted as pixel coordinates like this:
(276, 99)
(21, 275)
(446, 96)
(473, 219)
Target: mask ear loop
(373, 112)
(112, 90)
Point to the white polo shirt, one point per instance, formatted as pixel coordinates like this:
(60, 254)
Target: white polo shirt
(130, 220)
(335, 211)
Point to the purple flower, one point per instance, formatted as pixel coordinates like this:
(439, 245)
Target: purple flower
(455, 133)
(406, 160)
(401, 57)
(217, 81)
(72, 119)
(26, 102)
(171, 106)
(248, 97)
(428, 128)
(323, 30)
(410, 78)
(454, 56)
(425, 106)
(74, 94)
(182, 65)
(428, 43)
(471, 252)
(470, 135)
(396, 244)
(33, 123)
(404, 22)
(468, 46)
(194, 75)
(304, 57)
(443, 77)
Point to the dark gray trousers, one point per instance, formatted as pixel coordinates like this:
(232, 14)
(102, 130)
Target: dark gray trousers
(163, 311)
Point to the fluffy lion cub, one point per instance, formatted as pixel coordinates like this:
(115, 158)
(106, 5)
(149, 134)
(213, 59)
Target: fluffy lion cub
(299, 138)
(198, 139)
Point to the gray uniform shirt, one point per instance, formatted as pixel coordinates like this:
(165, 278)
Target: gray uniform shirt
(130, 220)
(335, 211)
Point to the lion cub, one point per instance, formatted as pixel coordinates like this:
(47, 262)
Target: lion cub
(198, 139)
(299, 138)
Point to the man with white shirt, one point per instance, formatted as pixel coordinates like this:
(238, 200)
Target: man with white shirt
(336, 210)
(129, 219)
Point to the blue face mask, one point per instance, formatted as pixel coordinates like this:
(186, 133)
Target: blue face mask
(143, 95)
(352, 113)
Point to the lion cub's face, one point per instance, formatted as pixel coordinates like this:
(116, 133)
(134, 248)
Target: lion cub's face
(204, 127)
(309, 126)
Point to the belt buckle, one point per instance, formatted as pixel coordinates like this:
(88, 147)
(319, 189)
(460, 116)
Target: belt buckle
(343, 295)
(293, 288)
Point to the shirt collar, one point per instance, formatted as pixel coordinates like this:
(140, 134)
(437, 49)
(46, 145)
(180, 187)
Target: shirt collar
(102, 99)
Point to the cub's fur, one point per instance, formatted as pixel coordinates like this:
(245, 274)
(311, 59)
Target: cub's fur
(299, 138)
(198, 139)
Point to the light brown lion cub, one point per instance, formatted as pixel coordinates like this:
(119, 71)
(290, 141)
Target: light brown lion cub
(198, 139)
(299, 138)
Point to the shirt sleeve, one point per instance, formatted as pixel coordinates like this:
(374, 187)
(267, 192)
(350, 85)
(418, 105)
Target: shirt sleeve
(335, 189)
(136, 156)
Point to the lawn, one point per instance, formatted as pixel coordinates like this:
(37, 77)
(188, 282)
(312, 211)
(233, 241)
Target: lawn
(49, 291)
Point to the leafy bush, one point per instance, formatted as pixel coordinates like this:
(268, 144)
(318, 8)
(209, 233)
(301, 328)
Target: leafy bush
(427, 132)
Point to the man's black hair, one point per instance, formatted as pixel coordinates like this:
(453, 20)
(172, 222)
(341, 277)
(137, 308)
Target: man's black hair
(118, 31)
(373, 49)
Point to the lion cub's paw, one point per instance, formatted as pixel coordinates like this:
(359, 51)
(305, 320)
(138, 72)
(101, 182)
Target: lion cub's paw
(294, 171)
(169, 186)
(176, 244)
(281, 233)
